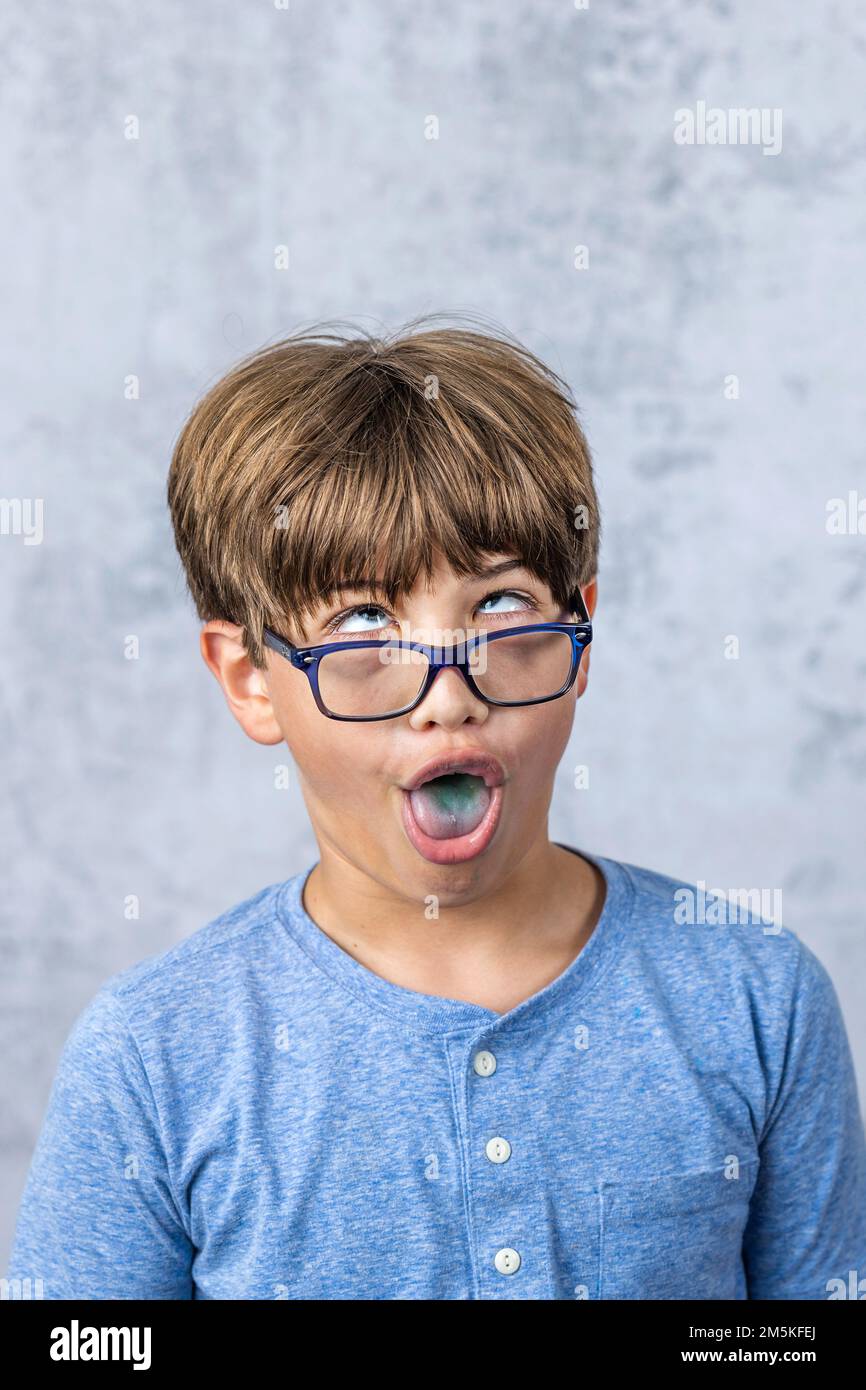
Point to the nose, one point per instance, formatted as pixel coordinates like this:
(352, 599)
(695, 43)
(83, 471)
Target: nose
(449, 702)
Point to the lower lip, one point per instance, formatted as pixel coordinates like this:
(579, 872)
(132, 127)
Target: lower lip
(461, 847)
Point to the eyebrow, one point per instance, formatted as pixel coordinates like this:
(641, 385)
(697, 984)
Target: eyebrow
(485, 572)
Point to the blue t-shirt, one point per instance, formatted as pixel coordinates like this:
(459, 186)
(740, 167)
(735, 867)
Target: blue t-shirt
(253, 1114)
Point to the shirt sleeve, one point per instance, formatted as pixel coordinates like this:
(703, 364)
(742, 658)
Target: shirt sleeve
(806, 1230)
(98, 1217)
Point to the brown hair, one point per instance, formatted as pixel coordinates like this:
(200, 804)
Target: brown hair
(326, 456)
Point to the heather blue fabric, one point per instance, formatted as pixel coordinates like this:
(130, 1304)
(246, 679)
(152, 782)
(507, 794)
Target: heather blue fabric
(255, 1115)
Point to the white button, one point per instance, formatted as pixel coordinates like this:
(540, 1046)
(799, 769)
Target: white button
(507, 1261)
(484, 1063)
(498, 1149)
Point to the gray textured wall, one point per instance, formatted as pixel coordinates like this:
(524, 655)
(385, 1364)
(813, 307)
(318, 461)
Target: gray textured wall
(154, 258)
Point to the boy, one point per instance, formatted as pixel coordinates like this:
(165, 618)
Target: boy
(450, 1059)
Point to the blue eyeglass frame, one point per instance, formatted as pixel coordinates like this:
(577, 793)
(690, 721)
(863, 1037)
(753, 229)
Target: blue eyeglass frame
(307, 659)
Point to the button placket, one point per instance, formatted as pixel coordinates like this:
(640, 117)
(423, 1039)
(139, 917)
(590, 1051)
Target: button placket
(498, 1150)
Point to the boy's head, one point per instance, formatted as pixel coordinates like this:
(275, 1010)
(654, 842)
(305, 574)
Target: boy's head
(418, 461)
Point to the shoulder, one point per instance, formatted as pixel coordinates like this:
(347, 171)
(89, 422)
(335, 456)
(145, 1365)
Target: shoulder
(717, 942)
(214, 954)
(712, 921)
(177, 1005)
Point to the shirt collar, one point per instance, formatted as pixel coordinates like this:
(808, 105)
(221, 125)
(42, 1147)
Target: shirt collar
(431, 1013)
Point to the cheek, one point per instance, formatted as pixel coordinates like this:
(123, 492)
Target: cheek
(546, 729)
(534, 741)
(341, 763)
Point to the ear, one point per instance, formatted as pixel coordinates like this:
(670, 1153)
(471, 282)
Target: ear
(243, 684)
(590, 594)
(590, 598)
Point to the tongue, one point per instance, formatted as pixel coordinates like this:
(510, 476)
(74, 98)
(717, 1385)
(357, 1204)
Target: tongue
(450, 805)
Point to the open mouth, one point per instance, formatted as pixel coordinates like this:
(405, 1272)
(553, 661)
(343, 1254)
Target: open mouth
(451, 808)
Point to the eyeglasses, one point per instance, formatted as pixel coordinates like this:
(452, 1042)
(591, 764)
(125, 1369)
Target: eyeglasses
(381, 679)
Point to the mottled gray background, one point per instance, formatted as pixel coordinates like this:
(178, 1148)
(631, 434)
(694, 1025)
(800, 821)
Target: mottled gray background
(155, 258)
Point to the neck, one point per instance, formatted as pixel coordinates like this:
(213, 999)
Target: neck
(493, 950)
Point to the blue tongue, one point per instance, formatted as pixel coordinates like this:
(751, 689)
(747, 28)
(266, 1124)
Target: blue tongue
(450, 805)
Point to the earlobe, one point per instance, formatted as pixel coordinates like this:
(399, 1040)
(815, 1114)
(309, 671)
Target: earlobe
(583, 670)
(243, 684)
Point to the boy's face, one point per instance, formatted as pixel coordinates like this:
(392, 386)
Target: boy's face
(354, 775)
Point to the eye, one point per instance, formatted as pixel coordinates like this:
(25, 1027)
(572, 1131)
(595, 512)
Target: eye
(525, 603)
(341, 622)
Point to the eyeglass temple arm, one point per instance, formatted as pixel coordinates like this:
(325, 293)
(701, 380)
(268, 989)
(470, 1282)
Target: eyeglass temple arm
(578, 606)
(280, 644)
